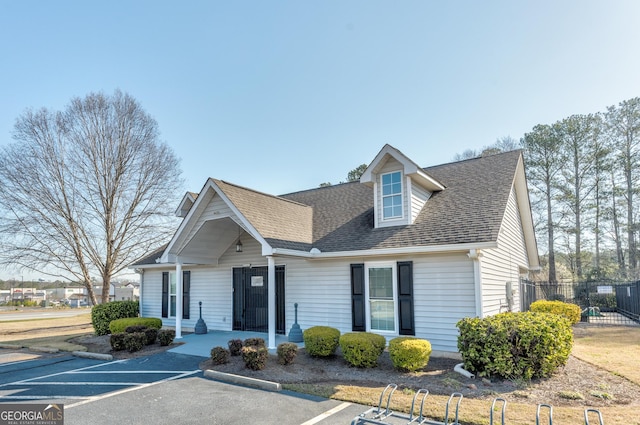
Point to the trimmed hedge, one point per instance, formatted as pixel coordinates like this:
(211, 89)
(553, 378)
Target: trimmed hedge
(235, 345)
(220, 355)
(321, 341)
(103, 314)
(134, 341)
(362, 349)
(166, 336)
(287, 352)
(255, 357)
(570, 311)
(117, 341)
(409, 354)
(255, 342)
(121, 325)
(515, 345)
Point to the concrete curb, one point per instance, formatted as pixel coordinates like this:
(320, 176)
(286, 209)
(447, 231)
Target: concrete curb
(44, 349)
(88, 355)
(242, 380)
(11, 346)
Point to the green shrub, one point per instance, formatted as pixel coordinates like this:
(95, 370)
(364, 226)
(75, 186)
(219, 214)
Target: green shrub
(604, 301)
(409, 354)
(219, 355)
(117, 341)
(254, 342)
(515, 345)
(570, 311)
(121, 325)
(103, 314)
(255, 357)
(235, 345)
(362, 349)
(166, 336)
(134, 341)
(321, 341)
(287, 352)
(152, 335)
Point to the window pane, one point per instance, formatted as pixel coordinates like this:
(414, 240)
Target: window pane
(382, 315)
(386, 179)
(386, 189)
(396, 188)
(381, 283)
(172, 283)
(172, 306)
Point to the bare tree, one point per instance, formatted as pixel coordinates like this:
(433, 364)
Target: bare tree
(85, 191)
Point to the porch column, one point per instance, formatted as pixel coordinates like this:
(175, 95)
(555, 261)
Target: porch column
(179, 296)
(271, 277)
(475, 255)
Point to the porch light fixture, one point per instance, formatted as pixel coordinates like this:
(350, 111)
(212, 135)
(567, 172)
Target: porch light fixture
(239, 246)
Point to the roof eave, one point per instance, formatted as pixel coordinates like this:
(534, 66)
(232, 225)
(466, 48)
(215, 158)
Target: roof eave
(421, 249)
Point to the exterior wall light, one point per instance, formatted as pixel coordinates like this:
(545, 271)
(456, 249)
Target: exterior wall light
(239, 246)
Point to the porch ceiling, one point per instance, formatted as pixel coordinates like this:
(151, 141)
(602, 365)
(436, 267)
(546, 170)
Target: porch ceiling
(211, 240)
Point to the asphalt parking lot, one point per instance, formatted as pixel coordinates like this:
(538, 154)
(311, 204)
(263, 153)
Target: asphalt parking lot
(166, 388)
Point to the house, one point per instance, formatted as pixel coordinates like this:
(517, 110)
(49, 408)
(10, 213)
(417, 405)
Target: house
(404, 251)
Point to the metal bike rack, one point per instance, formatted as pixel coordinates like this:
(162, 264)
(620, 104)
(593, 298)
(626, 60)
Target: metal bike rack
(597, 412)
(379, 414)
(550, 409)
(493, 408)
(383, 415)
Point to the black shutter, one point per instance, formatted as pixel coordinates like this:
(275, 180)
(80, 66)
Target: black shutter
(358, 320)
(165, 294)
(186, 287)
(405, 298)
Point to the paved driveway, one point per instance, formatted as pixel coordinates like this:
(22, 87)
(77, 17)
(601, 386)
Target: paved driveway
(166, 388)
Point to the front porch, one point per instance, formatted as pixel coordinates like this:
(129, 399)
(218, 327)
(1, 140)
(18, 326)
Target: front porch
(201, 345)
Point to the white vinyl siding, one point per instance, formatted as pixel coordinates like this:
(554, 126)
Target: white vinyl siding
(504, 264)
(419, 196)
(442, 284)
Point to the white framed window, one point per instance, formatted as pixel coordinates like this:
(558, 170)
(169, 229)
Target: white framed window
(172, 294)
(392, 195)
(382, 298)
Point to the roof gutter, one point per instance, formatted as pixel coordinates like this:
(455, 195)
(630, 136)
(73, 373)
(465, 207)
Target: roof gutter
(425, 249)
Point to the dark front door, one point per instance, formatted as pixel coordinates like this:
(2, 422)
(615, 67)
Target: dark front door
(251, 299)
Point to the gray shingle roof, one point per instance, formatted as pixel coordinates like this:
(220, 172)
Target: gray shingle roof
(340, 217)
(273, 217)
(469, 210)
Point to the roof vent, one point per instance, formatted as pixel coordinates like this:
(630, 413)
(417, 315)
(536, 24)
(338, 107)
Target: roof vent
(314, 251)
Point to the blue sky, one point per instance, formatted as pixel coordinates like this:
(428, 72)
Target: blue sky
(283, 95)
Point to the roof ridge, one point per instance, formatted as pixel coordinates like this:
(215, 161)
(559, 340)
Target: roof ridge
(319, 188)
(279, 198)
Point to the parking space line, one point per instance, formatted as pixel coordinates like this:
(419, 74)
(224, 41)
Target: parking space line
(24, 381)
(326, 414)
(126, 390)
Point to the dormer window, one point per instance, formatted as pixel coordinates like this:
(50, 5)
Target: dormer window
(392, 195)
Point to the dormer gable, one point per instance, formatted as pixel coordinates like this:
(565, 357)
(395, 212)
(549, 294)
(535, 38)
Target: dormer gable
(401, 188)
(185, 205)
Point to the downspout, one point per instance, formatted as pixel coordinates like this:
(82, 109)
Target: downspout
(271, 290)
(475, 255)
(179, 298)
(140, 305)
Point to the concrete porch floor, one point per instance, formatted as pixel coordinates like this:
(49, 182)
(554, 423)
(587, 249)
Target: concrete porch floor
(201, 345)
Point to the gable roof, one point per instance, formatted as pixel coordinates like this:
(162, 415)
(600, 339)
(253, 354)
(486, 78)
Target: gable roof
(340, 218)
(277, 219)
(469, 210)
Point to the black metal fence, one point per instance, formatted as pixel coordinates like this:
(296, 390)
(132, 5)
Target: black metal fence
(600, 302)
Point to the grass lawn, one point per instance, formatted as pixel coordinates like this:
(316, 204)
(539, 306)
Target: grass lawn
(49, 333)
